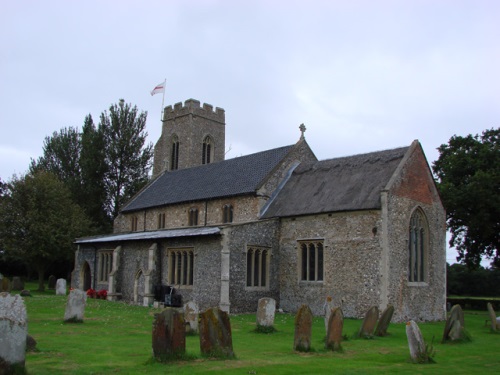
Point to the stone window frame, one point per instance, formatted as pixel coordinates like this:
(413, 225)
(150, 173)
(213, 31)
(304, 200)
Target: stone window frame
(193, 214)
(174, 157)
(258, 264)
(418, 248)
(181, 267)
(207, 153)
(317, 258)
(227, 213)
(161, 220)
(104, 265)
(134, 223)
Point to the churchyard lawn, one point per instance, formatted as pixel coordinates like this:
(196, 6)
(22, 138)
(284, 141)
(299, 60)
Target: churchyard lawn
(116, 338)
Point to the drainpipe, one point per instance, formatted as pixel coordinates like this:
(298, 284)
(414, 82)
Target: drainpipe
(95, 267)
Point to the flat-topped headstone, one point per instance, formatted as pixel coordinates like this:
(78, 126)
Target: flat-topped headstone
(369, 322)
(383, 322)
(61, 287)
(327, 309)
(303, 329)
(17, 283)
(334, 332)
(13, 333)
(215, 334)
(266, 310)
(191, 313)
(75, 306)
(52, 282)
(454, 328)
(495, 325)
(169, 334)
(415, 341)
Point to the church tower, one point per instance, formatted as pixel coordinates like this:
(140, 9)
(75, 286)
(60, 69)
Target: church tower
(191, 135)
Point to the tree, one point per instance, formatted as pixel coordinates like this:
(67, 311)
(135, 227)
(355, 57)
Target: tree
(468, 174)
(40, 221)
(127, 157)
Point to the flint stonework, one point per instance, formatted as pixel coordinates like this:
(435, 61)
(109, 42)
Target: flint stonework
(75, 306)
(169, 334)
(191, 312)
(215, 334)
(334, 332)
(265, 312)
(303, 329)
(13, 333)
(383, 322)
(369, 322)
(61, 287)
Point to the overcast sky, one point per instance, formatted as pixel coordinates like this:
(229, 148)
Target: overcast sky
(361, 75)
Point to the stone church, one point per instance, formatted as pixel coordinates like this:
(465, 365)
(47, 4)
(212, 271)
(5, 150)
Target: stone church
(366, 230)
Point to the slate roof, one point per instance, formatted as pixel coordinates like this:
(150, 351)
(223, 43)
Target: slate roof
(340, 184)
(238, 176)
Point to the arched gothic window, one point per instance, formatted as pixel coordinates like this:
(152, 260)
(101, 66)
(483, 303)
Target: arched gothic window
(417, 246)
(206, 156)
(174, 160)
(227, 213)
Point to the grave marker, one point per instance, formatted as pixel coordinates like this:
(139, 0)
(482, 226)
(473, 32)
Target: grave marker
(215, 334)
(75, 306)
(169, 334)
(61, 287)
(369, 322)
(303, 328)
(383, 322)
(334, 332)
(265, 312)
(191, 312)
(13, 333)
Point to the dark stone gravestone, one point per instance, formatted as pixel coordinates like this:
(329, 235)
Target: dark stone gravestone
(5, 285)
(30, 343)
(52, 282)
(17, 283)
(415, 341)
(334, 333)
(454, 328)
(13, 333)
(383, 322)
(215, 334)
(169, 334)
(303, 329)
(369, 322)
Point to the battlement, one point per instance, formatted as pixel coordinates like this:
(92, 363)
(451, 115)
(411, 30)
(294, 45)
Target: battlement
(192, 107)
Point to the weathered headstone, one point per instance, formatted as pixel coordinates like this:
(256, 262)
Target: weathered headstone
(369, 322)
(13, 332)
(327, 309)
(75, 306)
(169, 334)
(415, 341)
(5, 285)
(265, 312)
(383, 322)
(17, 283)
(454, 328)
(215, 334)
(61, 287)
(334, 332)
(52, 282)
(303, 329)
(495, 326)
(191, 312)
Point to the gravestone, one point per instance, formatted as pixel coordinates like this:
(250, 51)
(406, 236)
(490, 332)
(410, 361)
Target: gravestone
(265, 312)
(169, 334)
(415, 341)
(215, 334)
(191, 312)
(383, 322)
(61, 287)
(369, 322)
(13, 332)
(327, 309)
(17, 283)
(303, 328)
(454, 328)
(30, 343)
(494, 320)
(75, 306)
(52, 282)
(334, 332)
(5, 285)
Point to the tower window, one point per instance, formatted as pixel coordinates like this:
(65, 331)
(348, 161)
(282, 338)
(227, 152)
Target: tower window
(174, 161)
(227, 213)
(206, 157)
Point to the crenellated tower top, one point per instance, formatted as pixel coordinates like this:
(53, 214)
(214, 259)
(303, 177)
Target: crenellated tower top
(192, 107)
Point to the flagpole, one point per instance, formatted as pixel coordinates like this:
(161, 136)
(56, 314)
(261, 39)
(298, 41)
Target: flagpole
(163, 99)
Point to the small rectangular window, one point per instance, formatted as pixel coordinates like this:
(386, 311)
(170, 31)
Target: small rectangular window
(161, 221)
(193, 217)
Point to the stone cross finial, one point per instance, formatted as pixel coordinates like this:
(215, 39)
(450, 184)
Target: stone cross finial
(302, 128)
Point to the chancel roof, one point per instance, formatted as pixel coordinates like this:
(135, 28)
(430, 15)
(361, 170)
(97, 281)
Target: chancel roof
(238, 176)
(340, 184)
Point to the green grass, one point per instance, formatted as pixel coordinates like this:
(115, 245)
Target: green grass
(116, 338)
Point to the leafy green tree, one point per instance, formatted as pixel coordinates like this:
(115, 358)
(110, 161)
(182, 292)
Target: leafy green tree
(468, 174)
(128, 158)
(40, 221)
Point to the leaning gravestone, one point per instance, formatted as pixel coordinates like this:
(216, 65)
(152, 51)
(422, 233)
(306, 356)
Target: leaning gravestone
(5, 285)
(454, 328)
(191, 312)
(383, 322)
(303, 328)
(494, 320)
(328, 307)
(169, 334)
(13, 333)
(265, 312)
(415, 341)
(334, 332)
(215, 334)
(52, 282)
(61, 287)
(75, 306)
(369, 322)
(17, 283)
